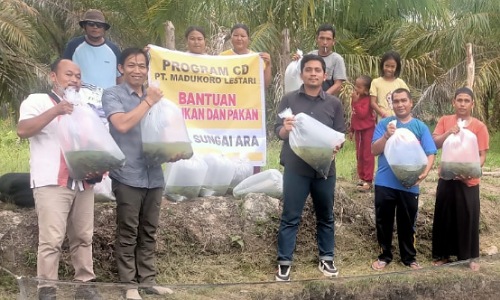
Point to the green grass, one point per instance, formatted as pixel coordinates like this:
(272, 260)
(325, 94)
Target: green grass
(273, 154)
(13, 150)
(15, 154)
(346, 158)
(493, 155)
(345, 162)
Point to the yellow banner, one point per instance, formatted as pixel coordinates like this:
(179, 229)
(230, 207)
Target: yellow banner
(221, 98)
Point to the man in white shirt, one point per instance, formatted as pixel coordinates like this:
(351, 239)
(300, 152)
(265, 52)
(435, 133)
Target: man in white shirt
(63, 205)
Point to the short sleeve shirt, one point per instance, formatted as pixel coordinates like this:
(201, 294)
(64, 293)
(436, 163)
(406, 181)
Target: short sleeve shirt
(135, 172)
(477, 127)
(382, 89)
(385, 177)
(47, 164)
(99, 64)
(335, 68)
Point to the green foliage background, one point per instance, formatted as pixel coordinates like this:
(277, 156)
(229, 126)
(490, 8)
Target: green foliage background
(430, 35)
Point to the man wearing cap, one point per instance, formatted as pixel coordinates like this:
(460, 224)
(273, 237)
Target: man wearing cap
(95, 55)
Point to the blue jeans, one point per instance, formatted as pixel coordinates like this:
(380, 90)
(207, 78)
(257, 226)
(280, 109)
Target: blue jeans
(296, 188)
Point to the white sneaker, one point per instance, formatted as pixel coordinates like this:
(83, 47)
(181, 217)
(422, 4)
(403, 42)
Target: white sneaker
(132, 294)
(283, 273)
(327, 267)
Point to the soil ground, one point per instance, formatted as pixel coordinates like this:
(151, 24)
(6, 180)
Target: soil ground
(243, 267)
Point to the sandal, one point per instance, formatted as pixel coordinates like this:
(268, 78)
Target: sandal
(379, 265)
(364, 186)
(415, 266)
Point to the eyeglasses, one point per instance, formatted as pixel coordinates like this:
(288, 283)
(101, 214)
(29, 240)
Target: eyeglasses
(95, 24)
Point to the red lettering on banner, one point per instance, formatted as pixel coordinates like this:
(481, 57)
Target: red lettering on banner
(193, 113)
(207, 99)
(220, 114)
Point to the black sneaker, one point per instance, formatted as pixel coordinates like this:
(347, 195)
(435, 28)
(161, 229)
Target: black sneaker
(283, 273)
(47, 293)
(327, 267)
(87, 292)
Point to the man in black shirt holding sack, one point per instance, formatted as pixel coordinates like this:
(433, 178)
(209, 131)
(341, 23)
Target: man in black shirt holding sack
(299, 178)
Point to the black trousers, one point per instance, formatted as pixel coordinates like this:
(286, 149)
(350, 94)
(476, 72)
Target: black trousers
(455, 231)
(390, 202)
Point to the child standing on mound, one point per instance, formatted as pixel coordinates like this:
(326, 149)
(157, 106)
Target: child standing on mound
(383, 86)
(362, 126)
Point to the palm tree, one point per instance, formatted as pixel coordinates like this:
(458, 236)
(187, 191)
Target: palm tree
(18, 69)
(430, 35)
(475, 22)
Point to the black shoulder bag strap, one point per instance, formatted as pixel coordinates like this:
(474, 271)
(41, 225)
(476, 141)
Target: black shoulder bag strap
(54, 97)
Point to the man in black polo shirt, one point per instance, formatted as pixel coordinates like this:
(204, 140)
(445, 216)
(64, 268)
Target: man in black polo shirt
(300, 179)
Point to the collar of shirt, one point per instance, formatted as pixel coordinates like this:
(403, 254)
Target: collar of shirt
(131, 91)
(321, 95)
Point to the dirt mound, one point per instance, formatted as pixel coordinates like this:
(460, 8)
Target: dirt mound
(222, 240)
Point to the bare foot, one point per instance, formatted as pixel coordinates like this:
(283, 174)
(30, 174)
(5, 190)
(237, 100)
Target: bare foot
(474, 266)
(440, 262)
(379, 265)
(415, 266)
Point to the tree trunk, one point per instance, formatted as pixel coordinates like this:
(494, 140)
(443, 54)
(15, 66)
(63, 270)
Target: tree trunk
(494, 117)
(470, 66)
(169, 35)
(219, 42)
(285, 53)
(471, 69)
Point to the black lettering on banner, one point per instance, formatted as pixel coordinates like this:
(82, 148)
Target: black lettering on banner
(175, 66)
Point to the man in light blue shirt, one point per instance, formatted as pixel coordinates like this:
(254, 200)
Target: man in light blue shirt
(96, 56)
(391, 197)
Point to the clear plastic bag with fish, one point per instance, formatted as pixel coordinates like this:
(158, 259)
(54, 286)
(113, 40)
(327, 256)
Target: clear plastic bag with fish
(88, 147)
(184, 178)
(243, 169)
(103, 191)
(460, 155)
(269, 182)
(405, 156)
(313, 141)
(219, 175)
(164, 134)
